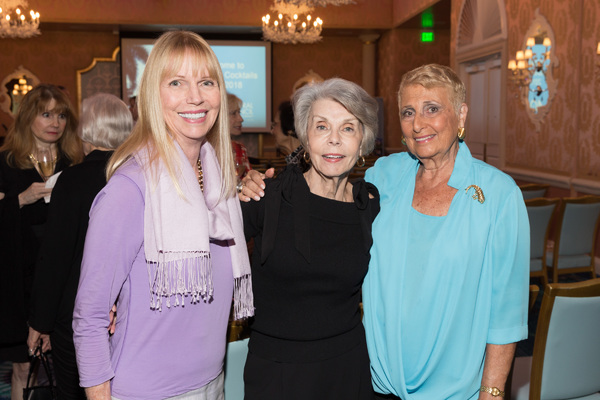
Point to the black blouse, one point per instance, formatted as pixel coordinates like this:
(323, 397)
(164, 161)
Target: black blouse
(310, 257)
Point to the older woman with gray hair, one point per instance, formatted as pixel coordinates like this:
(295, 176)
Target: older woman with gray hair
(312, 239)
(104, 124)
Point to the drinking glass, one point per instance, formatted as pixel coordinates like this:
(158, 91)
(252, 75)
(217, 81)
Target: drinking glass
(45, 163)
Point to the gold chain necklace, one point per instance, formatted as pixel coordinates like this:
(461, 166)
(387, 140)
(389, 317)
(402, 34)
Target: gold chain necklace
(200, 175)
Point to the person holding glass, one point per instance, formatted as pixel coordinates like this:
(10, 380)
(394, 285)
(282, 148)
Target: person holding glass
(105, 122)
(42, 141)
(165, 240)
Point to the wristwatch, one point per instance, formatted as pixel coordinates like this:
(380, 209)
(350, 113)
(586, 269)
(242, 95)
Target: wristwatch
(494, 391)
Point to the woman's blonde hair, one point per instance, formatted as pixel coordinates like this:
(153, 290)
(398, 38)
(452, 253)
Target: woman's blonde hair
(151, 130)
(435, 75)
(20, 142)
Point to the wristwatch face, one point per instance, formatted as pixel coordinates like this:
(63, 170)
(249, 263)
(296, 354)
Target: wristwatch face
(495, 391)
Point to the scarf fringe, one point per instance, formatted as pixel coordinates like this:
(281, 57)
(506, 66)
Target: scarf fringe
(180, 274)
(243, 304)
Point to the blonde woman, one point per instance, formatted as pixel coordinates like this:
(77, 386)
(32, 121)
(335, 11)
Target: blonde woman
(165, 240)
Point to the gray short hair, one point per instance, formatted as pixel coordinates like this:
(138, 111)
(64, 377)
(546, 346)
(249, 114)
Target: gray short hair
(351, 96)
(105, 121)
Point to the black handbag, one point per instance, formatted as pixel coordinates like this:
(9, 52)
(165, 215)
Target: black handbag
(44, 392)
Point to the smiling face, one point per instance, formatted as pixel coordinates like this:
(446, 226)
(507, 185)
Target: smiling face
(190, 103)
(429, 122)
(334, 138)
(49, 126)
(235, 120)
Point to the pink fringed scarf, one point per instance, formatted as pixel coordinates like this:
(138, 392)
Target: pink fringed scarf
(177, 231)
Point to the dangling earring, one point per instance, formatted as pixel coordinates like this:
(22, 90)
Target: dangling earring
(306, 157)
(403, 141)
(360, 161)
(461, 133)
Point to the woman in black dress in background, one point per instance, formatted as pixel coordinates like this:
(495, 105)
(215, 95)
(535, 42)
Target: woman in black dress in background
(45, 124)
(312, 236)
(105, 123)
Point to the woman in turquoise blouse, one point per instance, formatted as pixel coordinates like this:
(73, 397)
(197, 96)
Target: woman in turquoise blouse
(445, 297)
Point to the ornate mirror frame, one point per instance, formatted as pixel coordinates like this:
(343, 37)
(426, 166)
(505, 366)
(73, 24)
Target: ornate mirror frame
(8, 103)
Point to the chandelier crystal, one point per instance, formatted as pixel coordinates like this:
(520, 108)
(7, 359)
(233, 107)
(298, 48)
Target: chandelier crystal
(291, 23)
(17, 20)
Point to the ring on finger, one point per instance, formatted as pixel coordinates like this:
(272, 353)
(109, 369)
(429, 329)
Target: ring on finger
(239, 187)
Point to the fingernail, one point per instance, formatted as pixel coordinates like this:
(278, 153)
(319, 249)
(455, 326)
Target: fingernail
(262, 186)
(256, 198)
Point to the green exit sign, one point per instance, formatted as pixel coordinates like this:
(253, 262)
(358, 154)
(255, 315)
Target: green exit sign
(427, 37)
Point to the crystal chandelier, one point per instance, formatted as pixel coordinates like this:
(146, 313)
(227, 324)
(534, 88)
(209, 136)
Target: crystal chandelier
(292, 23)
(17, 21)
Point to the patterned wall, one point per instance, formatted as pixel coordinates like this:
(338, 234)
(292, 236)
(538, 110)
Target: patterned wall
(568, 143)
(54, 57)
(399, 51)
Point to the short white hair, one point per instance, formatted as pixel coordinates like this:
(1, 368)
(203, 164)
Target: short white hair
(105, 121)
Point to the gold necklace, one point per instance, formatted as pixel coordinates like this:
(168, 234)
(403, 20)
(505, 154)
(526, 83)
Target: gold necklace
(200, 175)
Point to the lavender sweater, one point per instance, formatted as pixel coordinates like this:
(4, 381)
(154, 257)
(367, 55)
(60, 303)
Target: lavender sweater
(153, 354)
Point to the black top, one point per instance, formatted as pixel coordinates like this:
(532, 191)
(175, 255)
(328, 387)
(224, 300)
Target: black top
(57, 270)
(310, 257)
(21, 230)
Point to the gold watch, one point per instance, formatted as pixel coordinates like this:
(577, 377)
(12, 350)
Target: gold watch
(494, 391)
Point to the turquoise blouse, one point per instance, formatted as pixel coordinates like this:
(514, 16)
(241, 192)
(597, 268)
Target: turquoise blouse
(440, 288)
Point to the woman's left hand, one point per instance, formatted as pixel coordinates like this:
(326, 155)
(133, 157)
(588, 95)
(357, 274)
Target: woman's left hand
(36, 338)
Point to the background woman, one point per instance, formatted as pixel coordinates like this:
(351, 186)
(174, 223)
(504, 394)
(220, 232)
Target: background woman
(446, 294)
(168, 212)
(240, 153)
(45, 127)
(312, 239)
(104, 124)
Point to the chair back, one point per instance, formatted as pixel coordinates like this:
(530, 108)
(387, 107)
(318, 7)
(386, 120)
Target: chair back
(533, 190)
(578, 221)
(566, 353)
(235, 360)
(540, 211)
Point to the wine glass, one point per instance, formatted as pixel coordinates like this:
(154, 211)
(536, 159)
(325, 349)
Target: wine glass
(45, 163)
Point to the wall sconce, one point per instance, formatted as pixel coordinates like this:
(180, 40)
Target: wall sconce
(531, 72)
(525, 64)
(598, 58)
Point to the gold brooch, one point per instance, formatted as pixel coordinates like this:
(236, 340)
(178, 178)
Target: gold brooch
(478, 193)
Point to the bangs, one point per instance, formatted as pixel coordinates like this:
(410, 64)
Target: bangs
(61, 106)
(196, 56)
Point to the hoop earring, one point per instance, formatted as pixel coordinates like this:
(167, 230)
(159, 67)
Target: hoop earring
(461, 133)
(403, 140)
(360, 161)
(306, 157)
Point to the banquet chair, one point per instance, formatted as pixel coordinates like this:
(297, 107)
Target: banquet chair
(575, 236)
(540, 212)
(235, 359)
(566, 352)
(533, 190)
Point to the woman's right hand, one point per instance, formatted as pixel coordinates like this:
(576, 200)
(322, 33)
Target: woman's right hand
(33, 193)
(253, 185)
